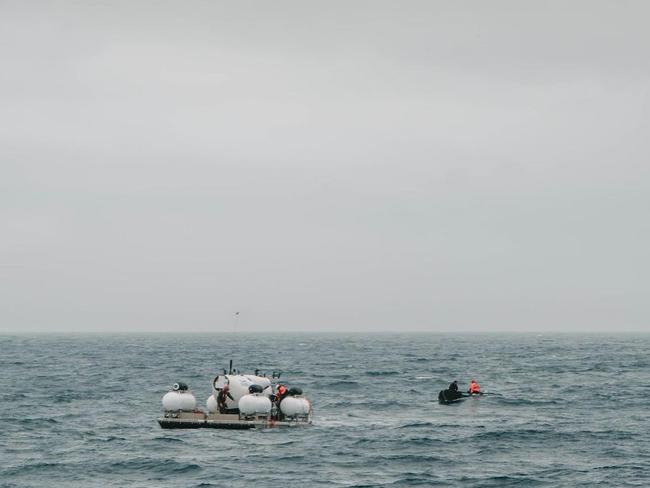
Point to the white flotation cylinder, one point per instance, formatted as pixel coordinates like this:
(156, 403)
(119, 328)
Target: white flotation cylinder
(179, 400)
(256, 403)
(211, 404)
(295, 406)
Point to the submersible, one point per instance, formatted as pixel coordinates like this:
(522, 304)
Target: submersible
(238, 401)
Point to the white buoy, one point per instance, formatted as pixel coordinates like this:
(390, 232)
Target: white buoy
(212, 404)
(179, 400)
(256, 403)
(295, 406)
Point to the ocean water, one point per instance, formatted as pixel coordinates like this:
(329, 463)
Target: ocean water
(565, 410)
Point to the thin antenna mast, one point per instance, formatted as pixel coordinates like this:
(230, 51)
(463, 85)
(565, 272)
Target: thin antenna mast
(235, 322)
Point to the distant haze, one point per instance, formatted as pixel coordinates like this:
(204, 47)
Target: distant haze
(340, 166)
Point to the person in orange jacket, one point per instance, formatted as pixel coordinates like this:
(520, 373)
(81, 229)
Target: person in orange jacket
(281, 393)
(474, 388)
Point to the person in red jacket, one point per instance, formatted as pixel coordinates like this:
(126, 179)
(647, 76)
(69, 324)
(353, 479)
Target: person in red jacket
(281, 393)
(474, 388)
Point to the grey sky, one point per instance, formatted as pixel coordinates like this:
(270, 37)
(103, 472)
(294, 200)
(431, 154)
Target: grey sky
(357, 166)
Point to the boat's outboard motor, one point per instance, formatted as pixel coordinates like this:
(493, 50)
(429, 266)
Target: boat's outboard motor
(294, 391)
(180, 398)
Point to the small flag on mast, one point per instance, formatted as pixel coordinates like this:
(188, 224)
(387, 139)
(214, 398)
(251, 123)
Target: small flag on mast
(234, 322)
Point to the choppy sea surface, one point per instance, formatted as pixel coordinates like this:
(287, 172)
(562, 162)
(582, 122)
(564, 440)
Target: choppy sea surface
(565, 410)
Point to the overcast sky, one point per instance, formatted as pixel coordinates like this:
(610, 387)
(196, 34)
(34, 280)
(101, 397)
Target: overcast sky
(349, 166)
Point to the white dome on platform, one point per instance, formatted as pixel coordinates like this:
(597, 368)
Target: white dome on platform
(179, 400)
(212, 404)
(295, 406)
(256, 403)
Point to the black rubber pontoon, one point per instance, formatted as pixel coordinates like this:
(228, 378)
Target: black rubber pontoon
(447, 397)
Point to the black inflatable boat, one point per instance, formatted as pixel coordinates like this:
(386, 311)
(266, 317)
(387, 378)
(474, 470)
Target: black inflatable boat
(447, 397)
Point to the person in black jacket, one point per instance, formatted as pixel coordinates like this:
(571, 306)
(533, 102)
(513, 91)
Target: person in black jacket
(453, 386)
